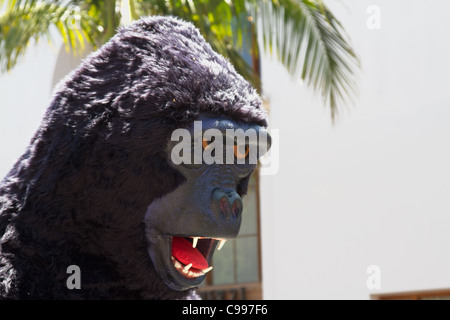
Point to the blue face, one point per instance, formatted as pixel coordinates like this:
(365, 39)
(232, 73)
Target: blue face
(216, 156)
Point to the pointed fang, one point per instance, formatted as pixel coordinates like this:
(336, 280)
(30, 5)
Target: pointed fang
(194, 242)
(187, 267)
(221, 243)
(207, 270)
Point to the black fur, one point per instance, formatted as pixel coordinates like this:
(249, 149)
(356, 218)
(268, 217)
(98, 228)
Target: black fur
(79, 193)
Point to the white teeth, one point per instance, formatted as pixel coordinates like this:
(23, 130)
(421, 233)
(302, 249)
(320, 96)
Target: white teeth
(221, 243)
(207, 270)
(194, 242)
(186, 270)
(176, 263)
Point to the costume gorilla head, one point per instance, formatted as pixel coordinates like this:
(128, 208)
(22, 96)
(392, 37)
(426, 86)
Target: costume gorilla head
(97, 186)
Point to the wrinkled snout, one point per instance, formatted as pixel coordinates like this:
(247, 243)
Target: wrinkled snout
(226, 203)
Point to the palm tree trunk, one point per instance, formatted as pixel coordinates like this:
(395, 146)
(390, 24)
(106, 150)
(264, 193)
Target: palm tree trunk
(256, 59)
(110, 20)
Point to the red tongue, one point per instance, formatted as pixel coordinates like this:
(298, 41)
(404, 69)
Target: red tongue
(182, 251)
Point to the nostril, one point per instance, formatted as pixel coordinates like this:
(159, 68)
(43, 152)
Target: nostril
(237, 207)
(224, 205)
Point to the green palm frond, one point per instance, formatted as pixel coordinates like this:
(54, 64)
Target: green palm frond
(303, 34)
(22, 23)
(311, 43)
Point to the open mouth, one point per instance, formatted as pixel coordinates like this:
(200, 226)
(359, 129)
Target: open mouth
(191, 256)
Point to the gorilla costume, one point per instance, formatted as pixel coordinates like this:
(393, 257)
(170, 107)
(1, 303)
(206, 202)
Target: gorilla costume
(96, 187)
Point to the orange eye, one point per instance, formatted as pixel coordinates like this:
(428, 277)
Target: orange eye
(239, 154)
(205, 143)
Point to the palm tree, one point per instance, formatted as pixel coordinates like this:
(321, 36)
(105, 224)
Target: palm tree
(304, 34)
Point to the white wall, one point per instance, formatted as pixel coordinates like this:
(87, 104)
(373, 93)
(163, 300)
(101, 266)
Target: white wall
(374, 189)
(25, 94)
